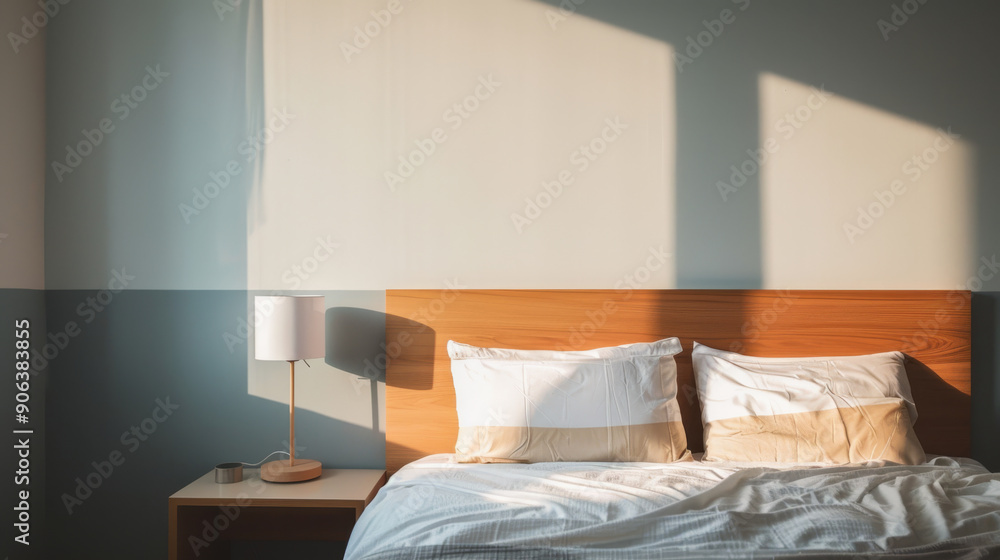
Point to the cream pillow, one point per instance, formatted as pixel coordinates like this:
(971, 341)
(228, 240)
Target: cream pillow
(528, 406)
(845, 409)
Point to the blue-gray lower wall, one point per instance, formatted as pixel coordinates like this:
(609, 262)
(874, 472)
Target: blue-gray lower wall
(150, 384)
(156, 360)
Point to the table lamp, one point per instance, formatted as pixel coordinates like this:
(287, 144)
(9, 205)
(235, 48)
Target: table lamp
(290, 328)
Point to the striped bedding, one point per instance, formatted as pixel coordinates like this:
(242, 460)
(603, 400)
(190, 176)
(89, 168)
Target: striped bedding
(436, 508)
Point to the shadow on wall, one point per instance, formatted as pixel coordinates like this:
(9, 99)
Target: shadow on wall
(410, 338)
(355, 343)
(865, 184)
(348, 383)
(826, 199)
(885, 186)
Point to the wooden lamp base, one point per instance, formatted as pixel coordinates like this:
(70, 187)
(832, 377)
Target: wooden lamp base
(281, 471)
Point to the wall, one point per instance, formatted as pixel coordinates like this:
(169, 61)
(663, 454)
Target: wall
(22, 299)
(154, 97)
(22, 151)
(251, 150)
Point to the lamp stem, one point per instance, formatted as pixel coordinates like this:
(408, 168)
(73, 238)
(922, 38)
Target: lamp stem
(291, 417)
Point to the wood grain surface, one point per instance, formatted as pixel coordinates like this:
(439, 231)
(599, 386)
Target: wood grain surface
(931, 327)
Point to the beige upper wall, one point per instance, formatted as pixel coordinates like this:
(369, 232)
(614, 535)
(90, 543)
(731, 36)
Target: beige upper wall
(426, 154)
(22, 146)
(852, 195)
(857, 197)
(359, 93)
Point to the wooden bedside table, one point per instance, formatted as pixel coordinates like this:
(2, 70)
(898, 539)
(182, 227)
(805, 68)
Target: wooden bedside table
(205, 516)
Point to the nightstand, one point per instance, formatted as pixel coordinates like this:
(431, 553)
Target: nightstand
(205, 516)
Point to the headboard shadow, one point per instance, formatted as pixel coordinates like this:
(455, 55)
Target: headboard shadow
(931, 327)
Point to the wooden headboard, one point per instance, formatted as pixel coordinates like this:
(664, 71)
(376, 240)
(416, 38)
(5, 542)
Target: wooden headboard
(931, 327)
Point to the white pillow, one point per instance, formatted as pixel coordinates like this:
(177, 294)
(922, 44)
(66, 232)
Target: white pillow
(846, 409)
(608, 404)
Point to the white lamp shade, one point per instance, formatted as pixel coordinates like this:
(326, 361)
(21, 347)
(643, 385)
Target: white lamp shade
(289, 327)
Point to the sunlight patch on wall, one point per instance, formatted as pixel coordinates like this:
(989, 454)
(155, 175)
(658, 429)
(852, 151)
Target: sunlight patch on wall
(854, 197)
(481, 143)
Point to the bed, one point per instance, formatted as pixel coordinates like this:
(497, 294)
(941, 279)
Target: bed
(433, 507)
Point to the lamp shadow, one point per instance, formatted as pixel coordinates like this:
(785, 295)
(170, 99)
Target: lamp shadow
(412, 353)
(355, 341)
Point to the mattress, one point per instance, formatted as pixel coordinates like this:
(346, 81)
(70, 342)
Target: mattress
(436, 508)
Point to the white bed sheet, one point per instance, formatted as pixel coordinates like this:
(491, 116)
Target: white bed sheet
(434, 508)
